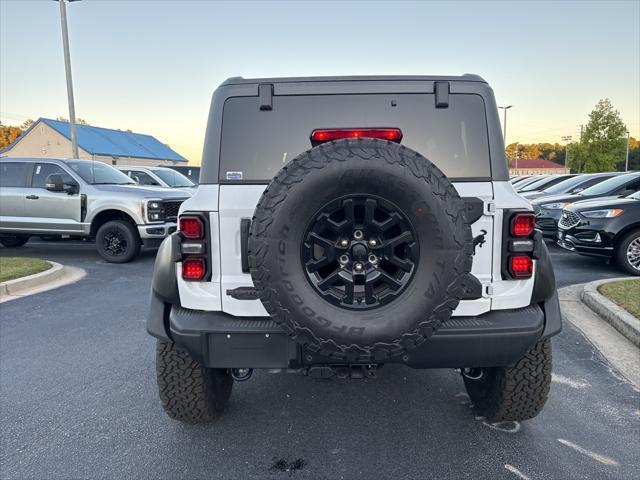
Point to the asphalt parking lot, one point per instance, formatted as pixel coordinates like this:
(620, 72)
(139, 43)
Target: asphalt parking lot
(78, 400)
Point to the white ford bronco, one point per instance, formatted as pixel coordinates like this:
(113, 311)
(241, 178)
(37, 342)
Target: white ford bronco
(343, 223)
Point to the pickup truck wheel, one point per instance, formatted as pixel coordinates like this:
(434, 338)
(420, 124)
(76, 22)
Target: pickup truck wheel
(189, 392)
(628, 252)
(118, 241)
(513, 393)
(357, 248)
(13, 241)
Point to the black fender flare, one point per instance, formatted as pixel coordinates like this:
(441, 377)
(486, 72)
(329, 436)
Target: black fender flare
(164, 287)
(544, 292)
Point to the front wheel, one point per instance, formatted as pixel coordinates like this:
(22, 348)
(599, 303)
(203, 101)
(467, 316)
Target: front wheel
(118, 241)
(190, 392)
(513, 393)
(14, 241)
(628, 252)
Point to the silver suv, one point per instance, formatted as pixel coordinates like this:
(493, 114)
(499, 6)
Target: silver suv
(44, 196)
(159, 177)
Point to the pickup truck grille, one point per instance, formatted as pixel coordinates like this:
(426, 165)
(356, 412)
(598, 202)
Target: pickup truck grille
(569, 219)
(171, 209)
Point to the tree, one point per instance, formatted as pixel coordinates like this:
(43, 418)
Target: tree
(603, 141)
(8, 135)
(26, 124)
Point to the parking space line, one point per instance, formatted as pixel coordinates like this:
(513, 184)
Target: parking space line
(596, 456)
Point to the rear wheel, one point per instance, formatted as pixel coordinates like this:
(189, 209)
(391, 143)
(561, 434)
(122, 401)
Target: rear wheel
(628, 252)
(13, 241)
(189, 392)
(512, 393)
(118, 241)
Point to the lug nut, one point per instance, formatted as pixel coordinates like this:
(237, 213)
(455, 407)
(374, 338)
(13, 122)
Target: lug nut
(343, 259)
(373, 242)
(358, 235)
(344, 242)
(373, 259)
(358, 267)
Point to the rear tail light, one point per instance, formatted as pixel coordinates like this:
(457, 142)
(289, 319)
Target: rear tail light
(327, 135)
(191, 228)
(523, 224)
(521, 266)
(194, 247)
(193, 268)
(519, 244)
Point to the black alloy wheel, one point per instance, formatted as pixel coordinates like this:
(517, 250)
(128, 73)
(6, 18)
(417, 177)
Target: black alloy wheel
(360, 252)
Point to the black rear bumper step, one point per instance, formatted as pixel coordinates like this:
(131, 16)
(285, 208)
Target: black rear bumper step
(497, 338)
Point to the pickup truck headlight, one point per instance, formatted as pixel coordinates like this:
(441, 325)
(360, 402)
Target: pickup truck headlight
(603, 213)
(155, 211)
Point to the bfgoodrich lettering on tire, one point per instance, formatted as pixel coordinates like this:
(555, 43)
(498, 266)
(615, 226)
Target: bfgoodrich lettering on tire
(357, 247)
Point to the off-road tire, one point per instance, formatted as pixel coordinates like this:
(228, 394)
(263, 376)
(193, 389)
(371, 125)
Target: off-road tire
(369, 167)
(189, 392)
(14, 241)
(621, 252)
(130, 236)
(514, 393)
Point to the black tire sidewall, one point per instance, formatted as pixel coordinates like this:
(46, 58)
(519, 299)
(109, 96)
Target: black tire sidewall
(131, 237)
(14, 241)
(425, 302)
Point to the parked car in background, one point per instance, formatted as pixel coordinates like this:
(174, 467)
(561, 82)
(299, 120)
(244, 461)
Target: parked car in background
(574, 184)
(529, 181)
(84, 198)
(544, 183)
(158, 177)
(604, 228)
(549, 209)
(191, 172)
(519, 179)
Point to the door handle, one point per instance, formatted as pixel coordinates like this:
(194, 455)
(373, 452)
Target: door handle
(32, 197)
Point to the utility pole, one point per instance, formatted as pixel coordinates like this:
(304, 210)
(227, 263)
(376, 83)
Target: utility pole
(566, 139)
(67, 68)
(626, 160)
(504, 123)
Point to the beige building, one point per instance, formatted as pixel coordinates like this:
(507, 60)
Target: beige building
(52, 139)
(536, 166)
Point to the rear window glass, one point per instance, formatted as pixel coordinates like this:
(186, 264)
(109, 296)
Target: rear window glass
(256, 144)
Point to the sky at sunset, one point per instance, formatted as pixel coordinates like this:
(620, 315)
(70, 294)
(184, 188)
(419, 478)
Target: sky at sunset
(151, 66)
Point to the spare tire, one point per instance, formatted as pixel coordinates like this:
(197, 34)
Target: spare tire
(358, 248)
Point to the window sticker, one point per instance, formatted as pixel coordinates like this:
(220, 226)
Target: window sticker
(234, 176)
(38, 169)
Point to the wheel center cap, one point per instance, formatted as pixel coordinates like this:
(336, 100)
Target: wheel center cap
(359, 251)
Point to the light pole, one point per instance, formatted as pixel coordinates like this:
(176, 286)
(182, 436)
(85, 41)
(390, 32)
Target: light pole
(67, 68)
(626, 159)
(504, 124)
(566, 139)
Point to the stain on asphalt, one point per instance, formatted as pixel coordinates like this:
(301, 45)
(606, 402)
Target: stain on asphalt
(281, 465)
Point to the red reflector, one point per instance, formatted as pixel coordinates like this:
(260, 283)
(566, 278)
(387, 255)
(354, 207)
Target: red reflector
(193, 269)
(522, 224)
(191, 228)
(520, 266)
(327, 135)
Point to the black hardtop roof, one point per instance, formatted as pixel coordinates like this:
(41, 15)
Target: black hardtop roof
(467, 77)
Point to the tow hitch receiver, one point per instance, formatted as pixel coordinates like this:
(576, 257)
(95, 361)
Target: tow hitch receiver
(327, 372)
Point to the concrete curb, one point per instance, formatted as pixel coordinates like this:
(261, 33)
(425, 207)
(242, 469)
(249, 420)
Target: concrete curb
(57, 276)
(618, 317)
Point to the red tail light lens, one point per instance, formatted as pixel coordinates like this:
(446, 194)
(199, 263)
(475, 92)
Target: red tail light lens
(193, 269)
(520, 266)
(522, 224)
(327, 135)
(192, 228)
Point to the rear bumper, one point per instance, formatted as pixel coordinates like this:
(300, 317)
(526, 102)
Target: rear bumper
(497, 338)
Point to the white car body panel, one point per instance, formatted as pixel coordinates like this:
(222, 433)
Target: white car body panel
(228, 204)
